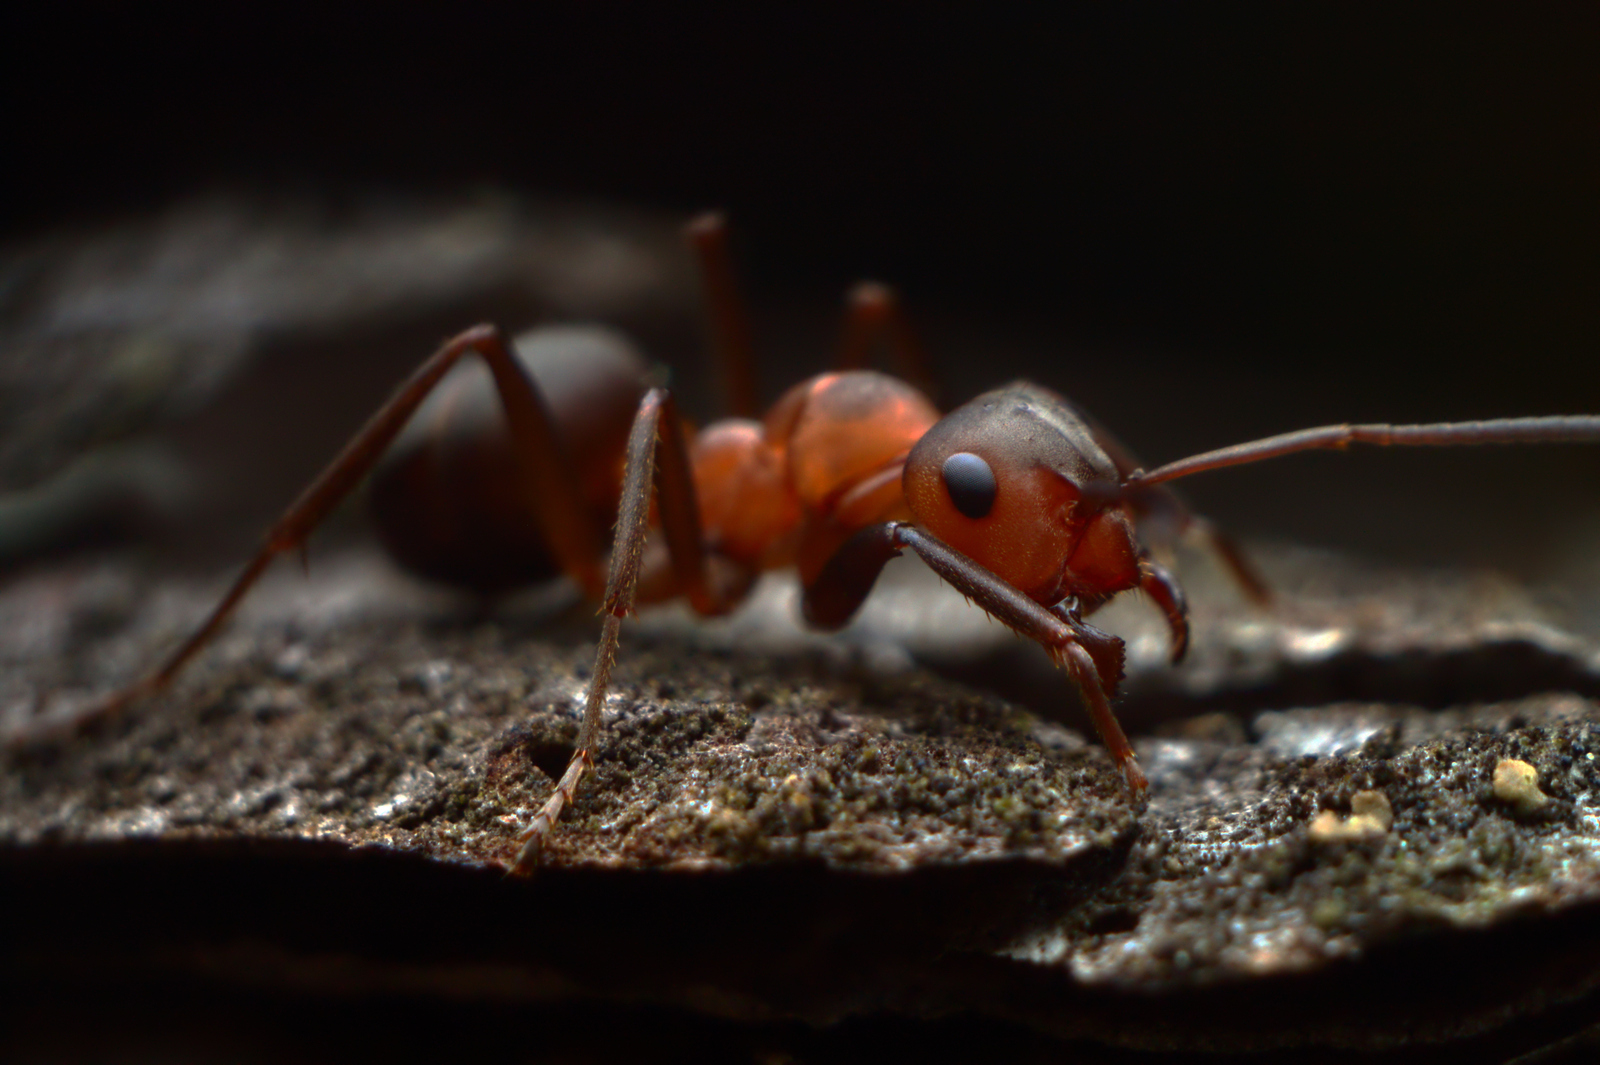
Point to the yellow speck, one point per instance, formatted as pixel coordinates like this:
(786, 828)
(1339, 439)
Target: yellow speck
(726, 822)
(1516, 783)
(1372, 806)
(1370, 816)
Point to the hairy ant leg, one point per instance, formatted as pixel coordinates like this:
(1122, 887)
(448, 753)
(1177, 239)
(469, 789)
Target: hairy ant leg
(570, 533)
(1093, 659)
(709, 590)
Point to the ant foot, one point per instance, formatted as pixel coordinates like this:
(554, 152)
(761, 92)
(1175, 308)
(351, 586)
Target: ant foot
(1133, 776)
(532, 838)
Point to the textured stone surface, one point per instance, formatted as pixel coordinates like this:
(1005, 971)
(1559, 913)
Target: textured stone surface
(785, 834)
(444, 744)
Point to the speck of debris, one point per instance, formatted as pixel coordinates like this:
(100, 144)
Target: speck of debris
(1516, 783)
(1370, 815)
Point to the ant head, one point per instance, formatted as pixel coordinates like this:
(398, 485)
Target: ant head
(1015, 481)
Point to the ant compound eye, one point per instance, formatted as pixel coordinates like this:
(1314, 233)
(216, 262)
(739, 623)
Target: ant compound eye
(970, 483)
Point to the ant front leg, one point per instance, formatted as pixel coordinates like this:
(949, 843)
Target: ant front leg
(680, 522)
(1093, 659)
(567, 527)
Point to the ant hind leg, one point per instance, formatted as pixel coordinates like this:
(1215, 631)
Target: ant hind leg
(568, 528)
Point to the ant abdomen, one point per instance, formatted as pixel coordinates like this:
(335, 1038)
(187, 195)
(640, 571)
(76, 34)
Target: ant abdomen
(450, 499)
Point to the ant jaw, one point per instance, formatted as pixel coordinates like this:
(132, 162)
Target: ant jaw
(1105, 560)
(1163, 588)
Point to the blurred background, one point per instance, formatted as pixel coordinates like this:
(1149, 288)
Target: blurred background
(1203, 223)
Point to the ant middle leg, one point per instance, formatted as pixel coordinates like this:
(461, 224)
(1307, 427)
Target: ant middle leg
(709, 590)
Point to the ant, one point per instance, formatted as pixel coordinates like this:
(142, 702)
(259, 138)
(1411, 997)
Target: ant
(1018, 499)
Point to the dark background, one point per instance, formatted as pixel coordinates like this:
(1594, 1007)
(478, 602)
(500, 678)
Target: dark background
(1204, 222)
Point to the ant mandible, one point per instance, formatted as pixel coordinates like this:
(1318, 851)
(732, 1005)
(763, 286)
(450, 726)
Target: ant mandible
(1017, 499)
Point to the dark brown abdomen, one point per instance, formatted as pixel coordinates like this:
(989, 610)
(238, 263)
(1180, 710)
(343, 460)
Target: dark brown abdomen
(448, 498)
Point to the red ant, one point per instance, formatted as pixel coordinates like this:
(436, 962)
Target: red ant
(1017, 499)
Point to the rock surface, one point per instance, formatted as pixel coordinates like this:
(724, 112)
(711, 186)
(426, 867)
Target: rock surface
(327, 799)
